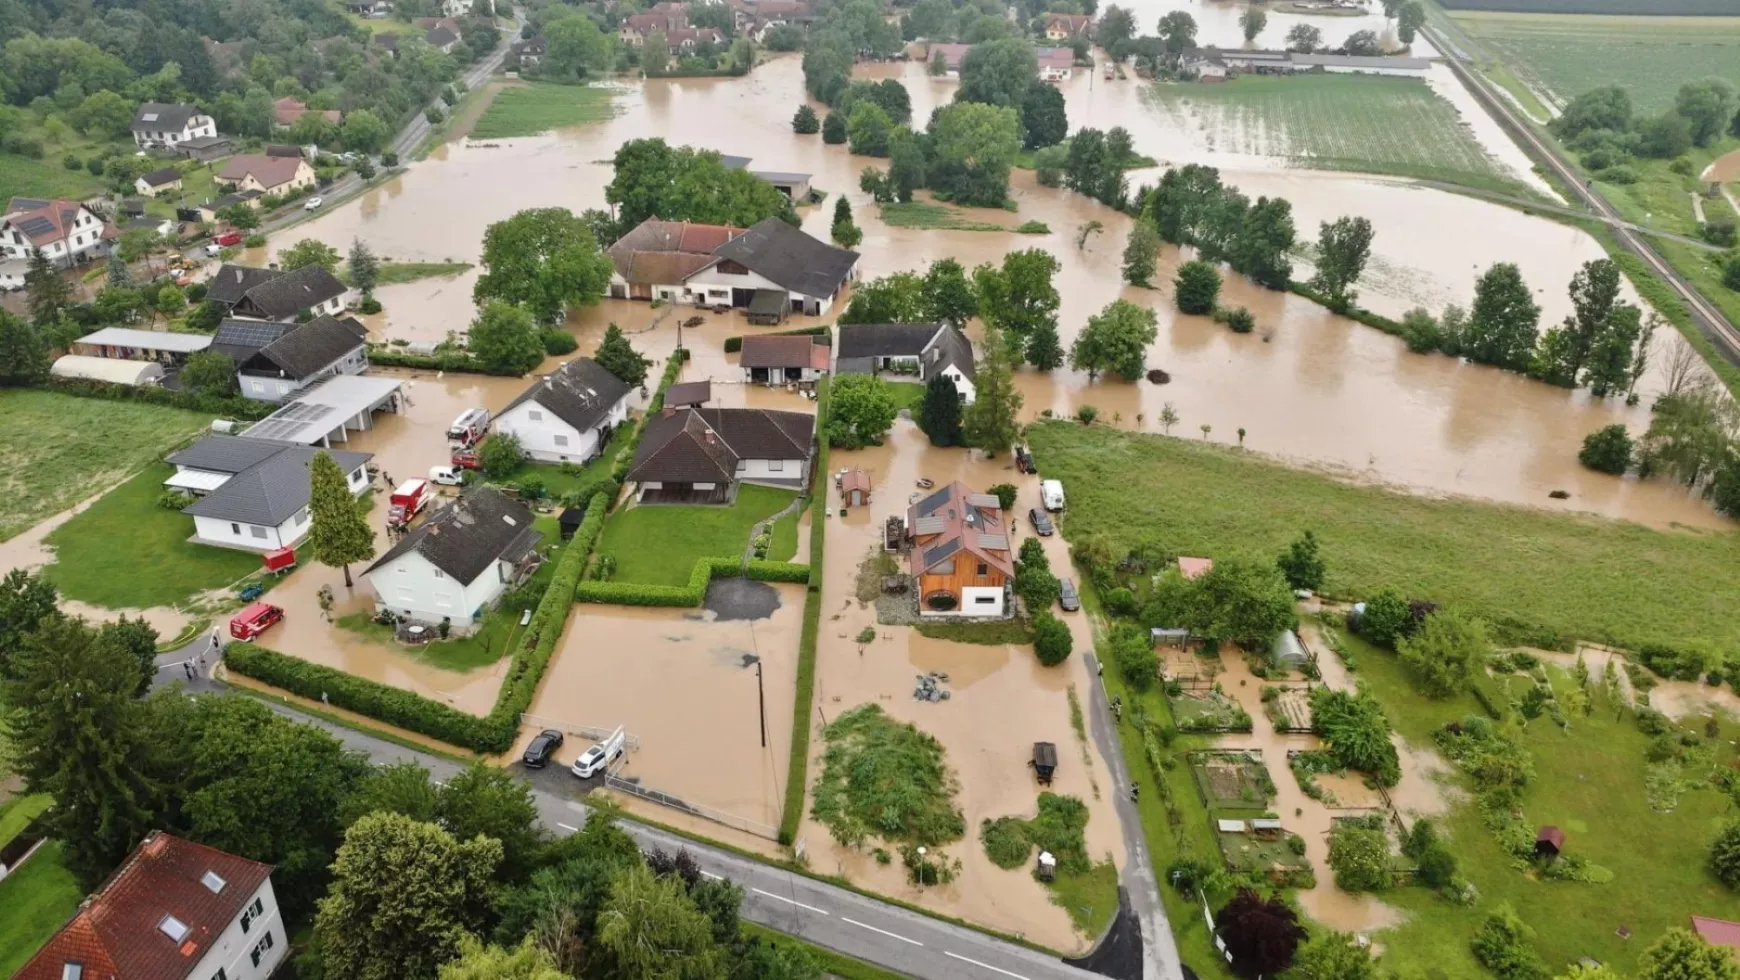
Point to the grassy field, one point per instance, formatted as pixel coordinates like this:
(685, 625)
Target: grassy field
(558, 481)
(58, 449)
(527, 110)
(125, 551)
(28, 177)
(1590, 782)
(1566, 55)
(658, 544)
(34, 902)
(925, 214)
(1532, 573)
(18, 812)
(197, 187)
(482, 648)
(1663, 199)
(1395, 126)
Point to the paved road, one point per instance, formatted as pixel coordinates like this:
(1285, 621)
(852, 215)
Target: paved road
(1710, 321)
(891, 937)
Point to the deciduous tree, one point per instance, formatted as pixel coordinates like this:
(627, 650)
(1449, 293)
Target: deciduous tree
(1333, 956)
(1261, 935)
(1725, 855)
(491, 802)
(1409, 19)
(504, 338)
(46, 291)
(1140, 253)
(543, 259)
(1680, 954)
(576, 49)
(867, 130)
(989, 422)
(23, 356)
(1177, 32)
(1302, 563)
(309, 252)
(834, 129)
(1197, 287)
(895, 298)
(1343, 246)
(475, 961)
(947, 294)
(1244, 602)
(998, 73)
(365, 268)
(975, 147)
(861, 408)
(1708, 105)
(1044, 349)
(339, 534)
(1018, 297)
(1051, 639)
(1252, 22)
(1446, 653)
(1304, 38)
(1044, 120)
(616, 355)
(1115, 340)
(1501, 329)
(650, 929)
(1360, 858)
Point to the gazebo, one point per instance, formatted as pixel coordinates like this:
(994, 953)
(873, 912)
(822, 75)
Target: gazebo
(855, 487)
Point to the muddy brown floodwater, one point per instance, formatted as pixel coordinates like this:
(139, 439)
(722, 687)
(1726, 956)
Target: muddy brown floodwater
(1002, 701)
(1309, 385)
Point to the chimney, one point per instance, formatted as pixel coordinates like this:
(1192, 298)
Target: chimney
(667, 412)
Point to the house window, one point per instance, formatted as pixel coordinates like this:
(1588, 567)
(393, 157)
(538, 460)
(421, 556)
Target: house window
(439, 573)
(302, 518)
(775, 465)
(260, 948)
(257, 386)
(984, 569)
(534, 415)
(220, 975)
(257, 531)
(254, 911)
(561, 440)
(984, 600)
(174, 928)
(235, 529)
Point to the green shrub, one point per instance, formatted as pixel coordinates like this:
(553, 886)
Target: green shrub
(1005, 840)
(1006, 494)
(1360, 859)
(1607, 450)
(1386, 617)
(558, 342)
(1133, 653)
(1051, 639)
(1504, 946)
(1121, 602)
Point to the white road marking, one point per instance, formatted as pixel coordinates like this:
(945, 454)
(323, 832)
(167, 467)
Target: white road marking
(782, 898)
(709, 874)
(885, 932)
(987, 966)
(569, 829)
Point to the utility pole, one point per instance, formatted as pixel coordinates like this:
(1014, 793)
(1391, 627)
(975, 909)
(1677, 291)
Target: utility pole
(761, 699)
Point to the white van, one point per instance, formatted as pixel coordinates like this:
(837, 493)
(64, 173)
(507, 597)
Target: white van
(1051, 494)
(596, 759)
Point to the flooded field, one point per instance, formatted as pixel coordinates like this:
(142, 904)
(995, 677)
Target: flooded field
(684, 683)
(1001, 702)
(1309, 385)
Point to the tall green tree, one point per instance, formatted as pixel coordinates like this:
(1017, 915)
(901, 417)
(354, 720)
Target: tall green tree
(79, 735)
(1020, 296)
(1196, 289)
(307, 252)
(1594, 294)
(1409, 19)
(1252, 22)
(650, 930)
(1044, 119)
(1608, 368)
(479, 962)
(1343, 246)
(861, 408)
(544, 259)
(340, 534)
(1116, 340)
(46, 290)
(804, 122)
(1244, 602)
(974, 151)
(1140, 253)
(23, 356)
(1708, 105)
(363, 131)
(1261, 247)
(989, 422)
(681, 183)
(1501, 328)
(27, 600)
(504, 338)
(1446, 653)
(1044, 348)
(1177, 33)
(616, 355)
(844, 230)
(895, 298)
(834, 129)
(1680, 954)
(576, 49)
(998, 73)
(400, 787)
(1304, 38)
(867, 130)
(1333, 956)
(404, 896)
(939, 415)
(1302, 563)
(365, 267)
(487, 801)
(1116, 28)
(947, 294)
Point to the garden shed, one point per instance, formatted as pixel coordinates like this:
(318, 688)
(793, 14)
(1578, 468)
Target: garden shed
(569, 521)
(1549, 842)
(855, 487)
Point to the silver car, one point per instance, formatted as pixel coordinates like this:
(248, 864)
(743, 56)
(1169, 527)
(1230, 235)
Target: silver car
(1067, 597)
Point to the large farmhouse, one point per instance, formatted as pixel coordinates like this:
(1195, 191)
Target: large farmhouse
(456, 564)
(772, 265)
(701, 455)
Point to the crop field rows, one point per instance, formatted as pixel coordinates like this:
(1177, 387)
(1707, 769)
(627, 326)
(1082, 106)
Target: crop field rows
(1396, 126)
(1566, 55)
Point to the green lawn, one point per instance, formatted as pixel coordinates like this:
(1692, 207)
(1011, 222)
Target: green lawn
(17, 813)
(1590, 782)
(1395, 126)
(538, 107)
(1663, 199)
(1535, 574)
(1569, 54)
(785, 537)
(394, 273)
(198, 186)
(562, 478)
(659, 544)
(925, 214)
(908, 395)
(126, 551)
(35, 901)
(28, 177)
(59, 450)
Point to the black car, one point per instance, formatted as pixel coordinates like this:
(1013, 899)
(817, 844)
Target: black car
(1067, 597)
(1041, 522)
(1024, 460)
(543, 746)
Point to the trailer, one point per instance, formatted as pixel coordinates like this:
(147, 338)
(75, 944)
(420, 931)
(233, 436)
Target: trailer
(1044, 761)
(280, 561)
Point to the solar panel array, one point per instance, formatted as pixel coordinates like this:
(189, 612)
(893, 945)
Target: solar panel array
(941, 551)
(33, 227)
(241, 333)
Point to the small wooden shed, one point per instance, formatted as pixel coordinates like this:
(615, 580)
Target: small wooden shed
(569, 521)
(1044, 761)
(1549, 842)
(855, 487)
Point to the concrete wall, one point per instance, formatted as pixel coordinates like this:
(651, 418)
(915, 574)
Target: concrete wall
(413, 588)
(251, 954)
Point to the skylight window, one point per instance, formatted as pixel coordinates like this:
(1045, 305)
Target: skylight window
(172, 927)
(211, 881)
(72, 971)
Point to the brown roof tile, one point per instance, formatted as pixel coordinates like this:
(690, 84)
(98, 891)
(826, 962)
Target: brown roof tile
(798, 351)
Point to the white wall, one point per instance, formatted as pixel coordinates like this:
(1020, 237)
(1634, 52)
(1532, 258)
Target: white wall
(235, 949)
(963, 384)
(413, 588)
(252, 537)
(541, 437)
(770, 469)
(976, 601)
(269, 389)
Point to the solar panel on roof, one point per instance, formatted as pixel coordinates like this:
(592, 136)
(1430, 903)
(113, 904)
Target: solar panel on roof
(244, 334)
(929, 504)
(149, 117)
(941, 551)
(291, 422)
(36, 226)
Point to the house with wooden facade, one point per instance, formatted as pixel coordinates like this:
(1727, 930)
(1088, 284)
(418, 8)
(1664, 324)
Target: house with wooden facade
(962, 559)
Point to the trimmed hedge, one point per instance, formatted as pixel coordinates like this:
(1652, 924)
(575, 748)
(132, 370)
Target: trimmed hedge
(443, 361)
(493, 733)
(797, 771)
(693, 594)
(235, 407)
(735, 344)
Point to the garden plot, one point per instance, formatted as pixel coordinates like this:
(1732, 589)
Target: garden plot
(1288, 708)
(1207, 711)
(1278, 855)
(1235, 780)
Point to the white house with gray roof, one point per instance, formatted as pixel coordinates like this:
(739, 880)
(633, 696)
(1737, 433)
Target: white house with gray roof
(774, 257)
(567, 415)
(170, 124)
(908, 352)
(455, 565)
(302, 355)
(253, 493)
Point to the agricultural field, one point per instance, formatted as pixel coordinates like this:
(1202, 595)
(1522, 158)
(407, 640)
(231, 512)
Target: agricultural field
(527, 110)
(1395, 126)
(1565, 55)
(59, 450)
(1539, 577)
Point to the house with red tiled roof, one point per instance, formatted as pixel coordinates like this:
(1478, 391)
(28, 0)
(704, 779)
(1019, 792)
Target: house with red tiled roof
(1717, 932)
(67, 232)
(637, 28)
(174, 910)
(961, 558)
(287, 110)
(653, 260)
(268, 174)
(1062, 27)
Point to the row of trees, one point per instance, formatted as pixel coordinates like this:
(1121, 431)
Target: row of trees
(1607, 131)
(680, 183)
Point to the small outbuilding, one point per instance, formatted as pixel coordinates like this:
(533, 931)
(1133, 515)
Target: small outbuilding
(1289, 652)
(768, 307)
(111, 370)
(855, 487)
(1549, 842)
(1195, 568)
(1044, 761)
(689, 394)
(569, 521)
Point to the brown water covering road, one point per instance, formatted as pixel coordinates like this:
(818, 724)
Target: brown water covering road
(1002, 701)
(1308, 385)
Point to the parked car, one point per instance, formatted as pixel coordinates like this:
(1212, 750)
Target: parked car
(1067, 597)
(254, 620)
(1024, 460)
(542, 746)
(465, 459)
(599, 757)
(313, 204)
(1051, 494)
(447, 476)
(1041, 523)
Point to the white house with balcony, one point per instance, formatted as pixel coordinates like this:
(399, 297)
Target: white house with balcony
(253, 493)
(170, 124)
(174, 910)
